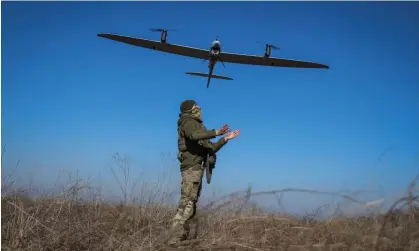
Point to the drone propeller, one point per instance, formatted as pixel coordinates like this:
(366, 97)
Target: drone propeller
(270, 45)
(161, 30)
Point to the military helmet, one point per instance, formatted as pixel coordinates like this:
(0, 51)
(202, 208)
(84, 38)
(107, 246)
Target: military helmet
(187, 105)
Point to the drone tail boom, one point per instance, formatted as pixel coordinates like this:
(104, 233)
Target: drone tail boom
(199, 74)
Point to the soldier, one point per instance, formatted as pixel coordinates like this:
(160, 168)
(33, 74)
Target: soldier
(194, 147)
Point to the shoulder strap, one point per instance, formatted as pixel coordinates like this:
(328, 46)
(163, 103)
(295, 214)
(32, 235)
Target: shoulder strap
(180, 128)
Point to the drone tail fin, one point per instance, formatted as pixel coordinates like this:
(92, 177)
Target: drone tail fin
(199, 74)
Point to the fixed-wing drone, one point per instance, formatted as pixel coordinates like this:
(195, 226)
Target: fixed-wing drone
(213, 55)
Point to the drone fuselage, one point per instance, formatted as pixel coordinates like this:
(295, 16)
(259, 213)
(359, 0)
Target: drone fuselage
(214, 54)
(215, 50)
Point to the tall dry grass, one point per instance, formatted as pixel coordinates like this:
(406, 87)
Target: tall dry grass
(78, 218)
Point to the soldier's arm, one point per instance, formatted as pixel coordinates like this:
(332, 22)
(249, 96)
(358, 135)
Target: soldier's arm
(219, 144)
(194, 132)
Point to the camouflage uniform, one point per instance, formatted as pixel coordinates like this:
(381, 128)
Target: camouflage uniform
(194, 144)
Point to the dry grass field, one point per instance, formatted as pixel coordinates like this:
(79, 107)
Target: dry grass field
(78, 218)
(64, 221)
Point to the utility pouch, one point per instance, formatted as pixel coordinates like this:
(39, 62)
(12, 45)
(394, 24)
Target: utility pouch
(180, 156)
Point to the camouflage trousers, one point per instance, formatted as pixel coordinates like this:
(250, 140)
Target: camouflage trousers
(190, 192)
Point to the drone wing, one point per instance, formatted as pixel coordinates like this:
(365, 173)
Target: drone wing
(158, 46)
(267, 61)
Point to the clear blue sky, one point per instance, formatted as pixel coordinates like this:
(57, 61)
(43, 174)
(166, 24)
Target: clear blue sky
(71, 99)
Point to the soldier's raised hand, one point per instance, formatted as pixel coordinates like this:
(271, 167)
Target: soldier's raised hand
(232, 135)
(225, 128)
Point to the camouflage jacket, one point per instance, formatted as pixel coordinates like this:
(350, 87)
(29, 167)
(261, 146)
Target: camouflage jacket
(194, 141)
